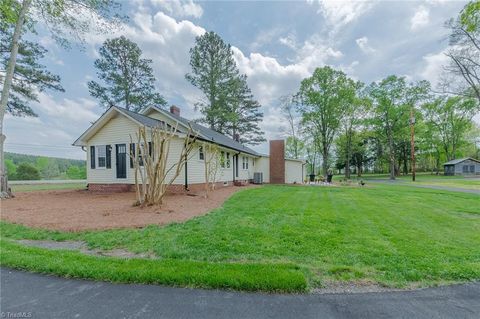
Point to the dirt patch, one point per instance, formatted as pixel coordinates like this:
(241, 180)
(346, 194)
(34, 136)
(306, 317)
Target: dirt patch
(81, 246)
(77, 210)
(345, 287)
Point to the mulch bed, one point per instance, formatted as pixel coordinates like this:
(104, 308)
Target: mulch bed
(79, 210)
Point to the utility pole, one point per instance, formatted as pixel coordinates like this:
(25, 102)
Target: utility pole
(412, 140)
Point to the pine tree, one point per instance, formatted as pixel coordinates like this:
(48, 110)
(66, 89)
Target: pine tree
(213, 71)
(230, 107)
(129, 80)
(30, 76)
(244, 115)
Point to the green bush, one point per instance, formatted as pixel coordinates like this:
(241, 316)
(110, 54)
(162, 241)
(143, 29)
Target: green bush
(26, 172)
(11, 169)
(76, 172)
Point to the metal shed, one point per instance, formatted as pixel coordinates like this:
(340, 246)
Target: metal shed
(462, 166)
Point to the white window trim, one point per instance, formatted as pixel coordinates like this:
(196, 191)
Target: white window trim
(228, 160)
(97, 156)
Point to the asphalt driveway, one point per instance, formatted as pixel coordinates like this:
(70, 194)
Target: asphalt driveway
(40, 296)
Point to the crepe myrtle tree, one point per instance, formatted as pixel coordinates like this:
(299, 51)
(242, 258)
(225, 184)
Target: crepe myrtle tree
(211, 159)
(68, 21)
(153, 172)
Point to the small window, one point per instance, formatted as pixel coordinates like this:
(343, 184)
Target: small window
(201, 156)
(222, 159)
(101, 156)
(472, 168)
(244, 162)
(465, 169)
(228, 160)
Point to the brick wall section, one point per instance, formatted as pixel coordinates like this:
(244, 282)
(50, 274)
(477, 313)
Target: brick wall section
(172, 189)
(277, 162)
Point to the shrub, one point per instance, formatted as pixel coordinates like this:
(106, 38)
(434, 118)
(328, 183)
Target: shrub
(75, 172)
(11, 169)
(27, 172)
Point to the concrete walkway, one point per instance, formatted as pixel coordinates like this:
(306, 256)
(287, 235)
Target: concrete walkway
(40, 296)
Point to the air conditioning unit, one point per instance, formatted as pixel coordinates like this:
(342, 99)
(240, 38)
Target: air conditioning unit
(258, 178)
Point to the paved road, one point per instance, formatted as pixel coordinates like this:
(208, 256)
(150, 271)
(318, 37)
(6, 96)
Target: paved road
(52, 297)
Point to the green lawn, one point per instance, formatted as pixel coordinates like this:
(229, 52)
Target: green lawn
(392, 235)
(44, 187)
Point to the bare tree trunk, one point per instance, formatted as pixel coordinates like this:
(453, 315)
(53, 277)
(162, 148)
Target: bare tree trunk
(4, 189)
(392, 157)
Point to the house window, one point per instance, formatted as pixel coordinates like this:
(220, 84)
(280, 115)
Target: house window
(222, 159)
(228, 160)
(201, 156)
(101, 156)
(244, 162)
(465, 169)
(472, 168)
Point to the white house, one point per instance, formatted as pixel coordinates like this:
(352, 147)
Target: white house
(109, 168)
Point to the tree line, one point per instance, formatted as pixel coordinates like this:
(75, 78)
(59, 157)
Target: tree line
(392, 124)
(31, 167)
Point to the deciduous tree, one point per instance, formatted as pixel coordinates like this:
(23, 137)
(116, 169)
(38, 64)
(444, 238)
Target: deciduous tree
(324, 98)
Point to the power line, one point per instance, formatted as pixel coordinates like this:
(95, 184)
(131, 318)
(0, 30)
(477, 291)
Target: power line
(43, 145)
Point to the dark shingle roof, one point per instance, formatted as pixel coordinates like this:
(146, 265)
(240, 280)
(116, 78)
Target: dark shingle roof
(211, 135)
(143, 119)
(456, 161)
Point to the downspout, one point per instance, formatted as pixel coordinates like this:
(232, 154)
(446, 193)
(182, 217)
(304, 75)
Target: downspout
(186, 173)
(235, 165)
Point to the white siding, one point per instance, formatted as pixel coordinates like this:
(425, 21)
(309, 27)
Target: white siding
(293, 172)
(262, 165)
(118, 131)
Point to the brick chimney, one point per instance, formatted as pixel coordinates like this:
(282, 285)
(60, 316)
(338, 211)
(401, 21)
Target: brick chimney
(277, 162)
(175, 110)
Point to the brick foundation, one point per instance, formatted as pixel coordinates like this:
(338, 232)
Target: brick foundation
(172, 189)
(277, 162)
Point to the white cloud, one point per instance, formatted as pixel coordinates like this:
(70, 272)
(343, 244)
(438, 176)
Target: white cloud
(179, 8)
(433, 67)
(59, 124)
(420, 19)
(289, 41)
(364, 46)
(342, 12)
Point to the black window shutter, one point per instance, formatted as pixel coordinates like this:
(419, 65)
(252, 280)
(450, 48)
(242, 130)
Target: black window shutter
(92, 157)
(108, 156)
(132, 154)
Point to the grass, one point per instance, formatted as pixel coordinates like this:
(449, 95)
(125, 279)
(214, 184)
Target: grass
(391, 235)
(247, 276)
(43, 187)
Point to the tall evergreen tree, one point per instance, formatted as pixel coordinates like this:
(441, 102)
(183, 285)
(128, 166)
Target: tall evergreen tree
(243, 114)
(230, 107)
(29, 77)
(129, 80)
(213, 72)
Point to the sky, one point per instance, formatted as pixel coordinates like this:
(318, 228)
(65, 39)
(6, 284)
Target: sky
(276, 44)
